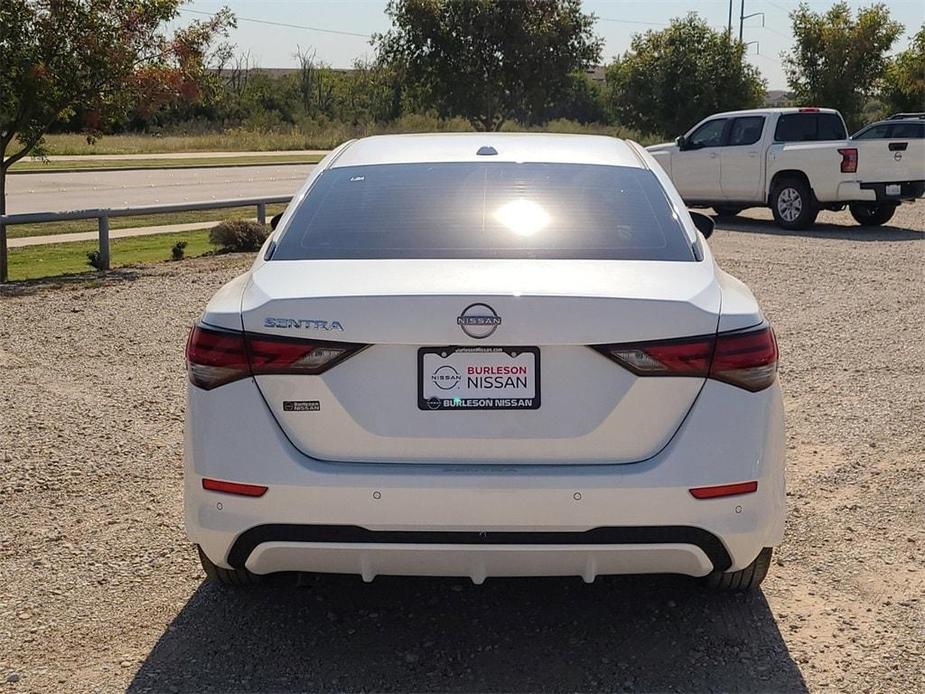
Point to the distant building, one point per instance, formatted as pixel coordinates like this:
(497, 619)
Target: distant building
(777, 98)
(597, 73)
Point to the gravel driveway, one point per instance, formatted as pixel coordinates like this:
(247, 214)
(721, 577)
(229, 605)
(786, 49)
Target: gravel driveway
(100, 590)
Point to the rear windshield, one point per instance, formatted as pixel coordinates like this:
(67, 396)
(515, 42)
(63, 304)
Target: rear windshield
(808, 127)
(485, 210)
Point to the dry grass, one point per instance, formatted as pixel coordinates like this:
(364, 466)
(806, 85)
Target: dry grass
(309, 135)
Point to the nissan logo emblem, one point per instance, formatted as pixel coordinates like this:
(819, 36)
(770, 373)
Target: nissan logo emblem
(478, 321)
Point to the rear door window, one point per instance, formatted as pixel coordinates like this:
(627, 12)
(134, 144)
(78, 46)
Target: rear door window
(746, 130)
(907, 131)
(485, 210)
(809, 127)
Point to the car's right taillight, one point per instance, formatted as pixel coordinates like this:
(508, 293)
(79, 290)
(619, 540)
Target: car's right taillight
(747, 359)
(215, 357)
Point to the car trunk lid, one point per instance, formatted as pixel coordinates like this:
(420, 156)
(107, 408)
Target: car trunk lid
(587, 408)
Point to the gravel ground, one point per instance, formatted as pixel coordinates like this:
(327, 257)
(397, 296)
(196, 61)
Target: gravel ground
(100, 590)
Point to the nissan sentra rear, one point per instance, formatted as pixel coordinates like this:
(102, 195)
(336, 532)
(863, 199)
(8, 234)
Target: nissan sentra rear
(485, 355)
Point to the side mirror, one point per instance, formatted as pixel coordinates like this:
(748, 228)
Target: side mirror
(681, 142)
(704, 223)
(274, 220)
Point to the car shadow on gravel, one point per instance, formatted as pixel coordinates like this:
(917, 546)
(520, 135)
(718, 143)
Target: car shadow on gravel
(822, 230)
(335, 633)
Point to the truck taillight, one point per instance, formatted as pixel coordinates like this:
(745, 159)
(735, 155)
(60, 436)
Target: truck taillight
(746, 359)
(215, 357)
(849, 159)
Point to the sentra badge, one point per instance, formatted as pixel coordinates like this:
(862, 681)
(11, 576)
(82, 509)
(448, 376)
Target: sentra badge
(303, 324)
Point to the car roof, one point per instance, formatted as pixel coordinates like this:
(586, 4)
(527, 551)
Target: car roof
(780, 110)
(510, 147)
(892, 121)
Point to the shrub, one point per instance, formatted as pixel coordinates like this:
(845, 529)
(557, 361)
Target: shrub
(95, 260)
(179, 248)
(236, 235)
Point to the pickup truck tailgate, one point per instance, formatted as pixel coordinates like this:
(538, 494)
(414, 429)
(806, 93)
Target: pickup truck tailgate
(890, 161)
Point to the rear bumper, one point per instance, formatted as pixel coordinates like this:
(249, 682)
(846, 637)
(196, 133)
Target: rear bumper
(908, 190)
(854, 191)
(347, 549)
(487, 520)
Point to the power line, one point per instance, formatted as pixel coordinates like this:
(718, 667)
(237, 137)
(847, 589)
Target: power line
(284, 24)
(775, 31)
(778, 7)
(632, 21)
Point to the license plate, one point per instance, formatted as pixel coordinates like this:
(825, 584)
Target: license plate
(893, 189)
(478, 378)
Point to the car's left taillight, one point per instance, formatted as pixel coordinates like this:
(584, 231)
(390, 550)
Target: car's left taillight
(216, 357)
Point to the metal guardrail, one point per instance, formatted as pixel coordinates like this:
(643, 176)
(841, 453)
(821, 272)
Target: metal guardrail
(102, 215)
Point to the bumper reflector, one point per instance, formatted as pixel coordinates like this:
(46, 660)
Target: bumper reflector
(233, 487)
(724, 490)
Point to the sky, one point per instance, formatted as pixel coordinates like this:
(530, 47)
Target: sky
(271, 45)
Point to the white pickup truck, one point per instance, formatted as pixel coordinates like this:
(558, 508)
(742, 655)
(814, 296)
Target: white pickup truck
(797, 161)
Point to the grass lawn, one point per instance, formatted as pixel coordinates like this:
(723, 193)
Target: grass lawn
(71, 258)
(77, 225)
(231, 141)
(308, 135)
(211, 162)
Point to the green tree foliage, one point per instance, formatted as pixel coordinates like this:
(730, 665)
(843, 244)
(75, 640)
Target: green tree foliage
(93, 58)
(839, 57)
(672, 78)
(489, 60)
(904, 83)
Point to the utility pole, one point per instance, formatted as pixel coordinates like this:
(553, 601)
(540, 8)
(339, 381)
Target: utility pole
(743, 17)
(741, 20)
(729, 27)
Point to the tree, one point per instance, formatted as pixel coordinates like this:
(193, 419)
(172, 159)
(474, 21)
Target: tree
(488, 60)
(904, 83)
(96, 59)
(670, 79)
(838, 59)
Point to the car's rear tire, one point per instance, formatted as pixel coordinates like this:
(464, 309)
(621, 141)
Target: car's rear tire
(868, 215)
(748, 578)
(792, 204)
(727, 211)
(227, 577)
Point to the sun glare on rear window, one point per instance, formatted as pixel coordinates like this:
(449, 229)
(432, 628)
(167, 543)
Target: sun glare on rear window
(485, 210)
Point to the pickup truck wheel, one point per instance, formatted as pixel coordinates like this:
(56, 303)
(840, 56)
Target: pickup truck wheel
(726, 211)
(792, 204)
(871, 215)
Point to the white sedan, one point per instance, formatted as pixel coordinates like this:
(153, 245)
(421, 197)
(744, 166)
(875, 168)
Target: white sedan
(485, 355)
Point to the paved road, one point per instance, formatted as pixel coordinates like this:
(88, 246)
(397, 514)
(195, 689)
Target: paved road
(53, 192)
(186, 155)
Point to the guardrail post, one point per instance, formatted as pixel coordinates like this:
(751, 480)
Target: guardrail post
(262, 212)
(104, 241)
